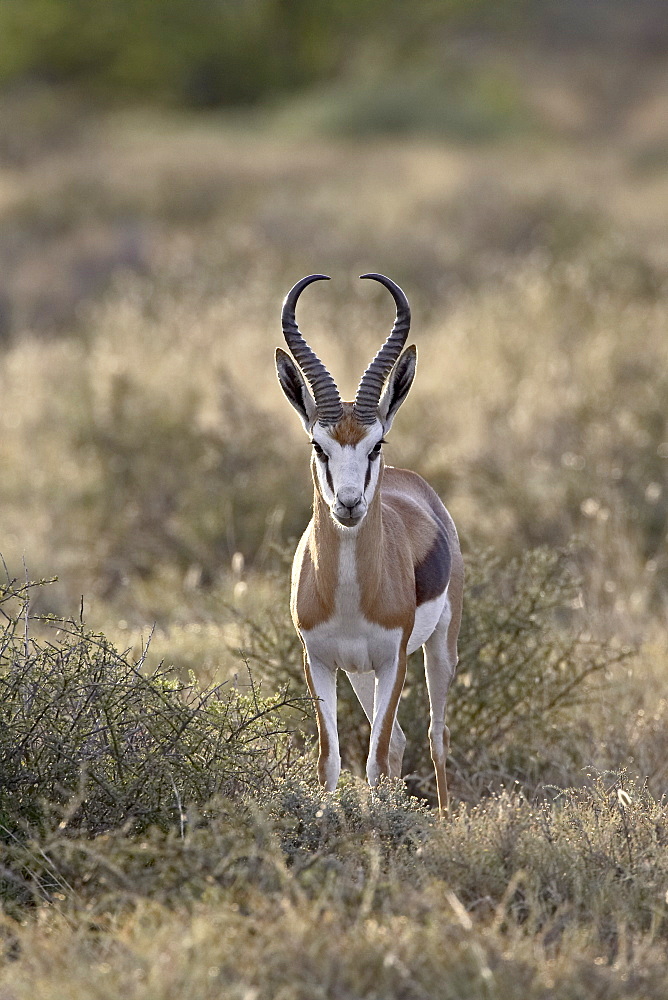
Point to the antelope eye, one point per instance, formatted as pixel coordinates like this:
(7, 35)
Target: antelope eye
(318, 450)
(375, 451)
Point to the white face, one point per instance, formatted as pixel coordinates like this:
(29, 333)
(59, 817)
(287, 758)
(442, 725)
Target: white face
(347, 473)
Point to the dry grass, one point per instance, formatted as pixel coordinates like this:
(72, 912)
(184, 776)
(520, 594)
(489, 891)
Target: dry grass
(147, 417)
(145, 444)
(376, 901)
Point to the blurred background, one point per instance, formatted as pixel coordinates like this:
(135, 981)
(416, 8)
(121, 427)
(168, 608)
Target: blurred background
(168, 169)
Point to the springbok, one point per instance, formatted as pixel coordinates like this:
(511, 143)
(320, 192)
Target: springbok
(378, 571)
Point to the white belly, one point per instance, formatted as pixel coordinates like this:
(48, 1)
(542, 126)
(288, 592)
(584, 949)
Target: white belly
(347, 641)
(353, 645)
(426, 619)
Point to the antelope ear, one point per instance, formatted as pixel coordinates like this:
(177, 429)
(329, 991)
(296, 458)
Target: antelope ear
(399, 382)
(295, 388)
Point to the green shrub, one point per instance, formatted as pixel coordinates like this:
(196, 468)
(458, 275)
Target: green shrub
(527, 664)
(198, 53)
(90, 741)
(308, 819)
(528, 661)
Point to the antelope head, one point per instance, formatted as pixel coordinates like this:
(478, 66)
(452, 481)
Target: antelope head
(347, 438)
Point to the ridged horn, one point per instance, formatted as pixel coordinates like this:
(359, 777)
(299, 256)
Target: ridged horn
(323, 386)
(373, 380)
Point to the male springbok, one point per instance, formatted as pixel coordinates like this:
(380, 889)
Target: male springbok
(378, 571)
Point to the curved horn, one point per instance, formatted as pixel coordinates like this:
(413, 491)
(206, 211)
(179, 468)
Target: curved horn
(371, 385)
(323, 386)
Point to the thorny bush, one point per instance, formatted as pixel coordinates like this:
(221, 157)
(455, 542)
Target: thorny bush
(91, 739)
(527, 662)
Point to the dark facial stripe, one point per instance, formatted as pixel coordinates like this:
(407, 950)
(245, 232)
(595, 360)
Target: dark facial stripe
(433, 573)
(373, 457)
(328, 476)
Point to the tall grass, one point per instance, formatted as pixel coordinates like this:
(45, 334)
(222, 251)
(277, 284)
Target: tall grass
(161, 442)
(92, 742)
(162, 801)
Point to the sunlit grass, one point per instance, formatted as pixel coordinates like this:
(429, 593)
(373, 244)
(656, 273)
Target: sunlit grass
(149, 460)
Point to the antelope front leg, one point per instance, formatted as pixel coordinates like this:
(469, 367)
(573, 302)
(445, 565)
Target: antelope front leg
(389, 685)
(364, 686)
(440, 660)
(321, 682)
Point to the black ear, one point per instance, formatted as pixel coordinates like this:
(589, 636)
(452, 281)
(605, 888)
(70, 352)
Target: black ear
(295, 388)
(398, 384)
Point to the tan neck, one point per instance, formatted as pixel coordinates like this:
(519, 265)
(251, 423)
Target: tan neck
(370, 547)
(324, 546)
